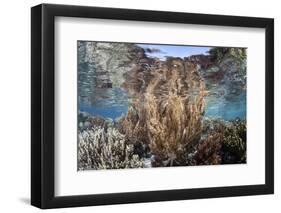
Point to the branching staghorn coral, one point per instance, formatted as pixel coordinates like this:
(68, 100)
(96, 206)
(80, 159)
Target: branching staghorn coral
(105, 149)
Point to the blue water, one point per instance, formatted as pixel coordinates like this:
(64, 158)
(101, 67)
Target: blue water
(227, 108)
(106, 112)
(109, 103)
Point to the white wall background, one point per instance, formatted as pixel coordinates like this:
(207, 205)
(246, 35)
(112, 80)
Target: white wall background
(15, 105)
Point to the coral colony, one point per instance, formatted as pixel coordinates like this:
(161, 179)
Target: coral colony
(145, 105)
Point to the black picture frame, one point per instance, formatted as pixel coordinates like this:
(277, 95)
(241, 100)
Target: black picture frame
(43, 102)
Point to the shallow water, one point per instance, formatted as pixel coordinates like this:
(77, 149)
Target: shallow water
(99, 96)
(109, 103)
(227, 108)
(114, 103)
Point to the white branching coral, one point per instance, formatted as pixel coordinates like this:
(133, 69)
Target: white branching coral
(105, 148)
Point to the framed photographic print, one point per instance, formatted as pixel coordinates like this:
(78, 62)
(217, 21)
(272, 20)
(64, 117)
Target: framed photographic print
(140, 106)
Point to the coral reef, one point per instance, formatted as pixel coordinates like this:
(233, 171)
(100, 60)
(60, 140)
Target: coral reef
(230, 140)
(168, 114)
(209, 150)
(105, 148)
(234, 142)
(166, 122)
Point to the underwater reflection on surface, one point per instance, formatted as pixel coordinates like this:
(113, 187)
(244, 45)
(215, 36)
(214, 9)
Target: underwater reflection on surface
(113, 103)
(109, 103)
(100, 95)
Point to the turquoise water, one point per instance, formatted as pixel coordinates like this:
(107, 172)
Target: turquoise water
(106, 112)
(109, 103)
(227, 108)
(224, 107)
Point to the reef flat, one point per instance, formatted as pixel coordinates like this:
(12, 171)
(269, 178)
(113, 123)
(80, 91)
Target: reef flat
(139, 111)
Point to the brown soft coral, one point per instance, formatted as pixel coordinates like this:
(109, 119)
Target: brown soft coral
(168, 112)
(209, 150)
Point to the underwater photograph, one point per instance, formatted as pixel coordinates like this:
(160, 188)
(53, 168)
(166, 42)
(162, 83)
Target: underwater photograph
(160, 105)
